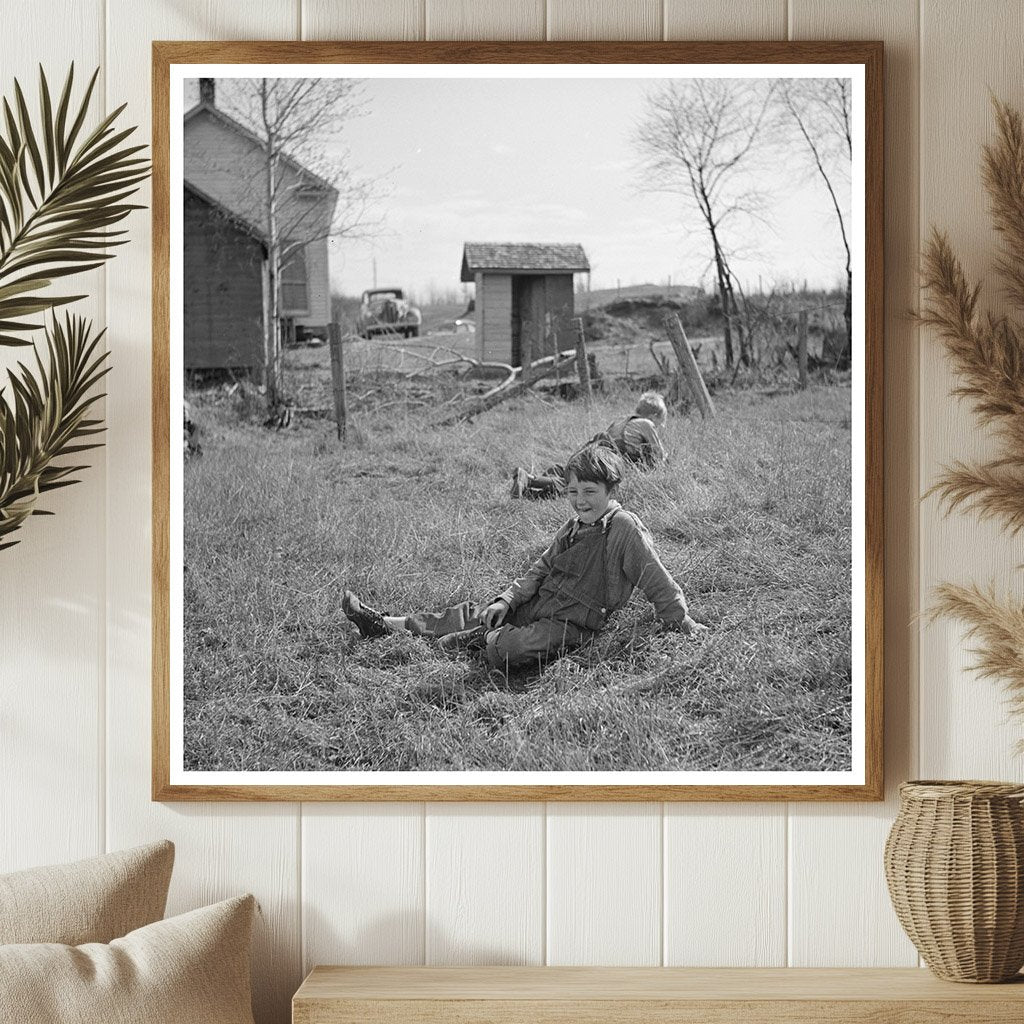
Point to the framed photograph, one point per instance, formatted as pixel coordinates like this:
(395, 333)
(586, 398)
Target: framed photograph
(531, 399)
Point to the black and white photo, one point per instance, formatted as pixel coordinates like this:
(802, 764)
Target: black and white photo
(529, 440)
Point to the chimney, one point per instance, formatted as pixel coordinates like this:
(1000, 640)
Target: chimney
(207, 91)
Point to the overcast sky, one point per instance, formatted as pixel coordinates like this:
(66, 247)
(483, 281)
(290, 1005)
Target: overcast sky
(553, 160)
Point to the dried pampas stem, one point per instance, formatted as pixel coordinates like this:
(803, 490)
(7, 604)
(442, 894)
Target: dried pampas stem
(997, 629)
(987, 355)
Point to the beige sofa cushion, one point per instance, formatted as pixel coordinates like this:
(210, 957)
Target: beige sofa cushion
(92, 900)
(190, 969)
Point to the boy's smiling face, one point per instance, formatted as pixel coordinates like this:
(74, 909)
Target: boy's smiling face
(589, 499)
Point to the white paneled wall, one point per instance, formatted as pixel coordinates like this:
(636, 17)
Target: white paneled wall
(964, 732)
(742, 884)
(53, 584)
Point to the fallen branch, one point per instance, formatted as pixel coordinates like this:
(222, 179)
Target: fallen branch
(440, 364)
(512, 386)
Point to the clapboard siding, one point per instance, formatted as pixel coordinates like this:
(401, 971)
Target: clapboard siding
(222, 290)
(583, 884)
(230, 168)
(496, 317)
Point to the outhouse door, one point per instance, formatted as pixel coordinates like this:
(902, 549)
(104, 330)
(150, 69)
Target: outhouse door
(528, 309)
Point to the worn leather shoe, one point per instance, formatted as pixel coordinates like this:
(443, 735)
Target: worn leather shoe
(470, 640)
(367, 620)
(521, 481)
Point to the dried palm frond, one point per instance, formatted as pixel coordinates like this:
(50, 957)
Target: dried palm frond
(46, 421)
(61, 193)
(997, 628)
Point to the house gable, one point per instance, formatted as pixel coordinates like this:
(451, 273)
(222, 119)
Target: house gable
(226, 164)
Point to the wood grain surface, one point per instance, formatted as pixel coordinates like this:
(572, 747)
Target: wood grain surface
(338, 995)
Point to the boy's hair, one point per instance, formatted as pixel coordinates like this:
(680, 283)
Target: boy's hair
(596, 463)
(652, 406)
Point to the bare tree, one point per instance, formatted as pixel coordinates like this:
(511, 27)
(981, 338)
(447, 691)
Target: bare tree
(819, 111)
(298, 166)
(698, 138)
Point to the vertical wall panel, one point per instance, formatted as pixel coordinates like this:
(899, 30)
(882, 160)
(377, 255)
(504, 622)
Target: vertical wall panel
(604, 19)
(485, 884)
(725, 867)
(363, 864)
(726, 19)
(385, 19)
(725, 885)
(836, 851)
(967, 49)
(222, 848)
(485, 19)
(604, 884)
(51, 584)
(362, 884)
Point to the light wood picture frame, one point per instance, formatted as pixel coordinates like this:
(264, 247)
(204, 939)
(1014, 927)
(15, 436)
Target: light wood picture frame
(225, 680)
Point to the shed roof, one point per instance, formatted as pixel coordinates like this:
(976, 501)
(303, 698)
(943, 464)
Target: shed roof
(522, 258)
(240, 222)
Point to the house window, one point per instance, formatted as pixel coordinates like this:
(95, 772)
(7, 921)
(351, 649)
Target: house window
(295, 283)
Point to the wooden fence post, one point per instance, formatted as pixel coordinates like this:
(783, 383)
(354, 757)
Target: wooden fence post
(338, 379)
(688, 365)
(582, 366)
(801, 346)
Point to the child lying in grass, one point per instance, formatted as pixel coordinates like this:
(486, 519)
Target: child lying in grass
(588, 572)
(634, 437)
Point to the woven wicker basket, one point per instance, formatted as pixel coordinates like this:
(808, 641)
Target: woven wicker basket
(954, 861)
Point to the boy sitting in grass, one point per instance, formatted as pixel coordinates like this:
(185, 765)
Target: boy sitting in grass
(587, 573)
(634, 437)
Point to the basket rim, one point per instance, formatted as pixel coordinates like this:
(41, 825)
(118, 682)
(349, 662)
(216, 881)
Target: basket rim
(940, 789)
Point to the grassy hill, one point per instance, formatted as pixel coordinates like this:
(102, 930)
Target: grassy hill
(604, 296)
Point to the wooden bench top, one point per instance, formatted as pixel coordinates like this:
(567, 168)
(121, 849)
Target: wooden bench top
(344, 995)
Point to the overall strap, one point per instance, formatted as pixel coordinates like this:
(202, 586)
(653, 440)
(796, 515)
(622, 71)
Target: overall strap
(605, 526)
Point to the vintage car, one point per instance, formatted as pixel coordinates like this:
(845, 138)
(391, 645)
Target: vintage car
(387, 311)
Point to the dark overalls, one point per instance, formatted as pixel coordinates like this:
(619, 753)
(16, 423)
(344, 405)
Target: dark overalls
(569, 607)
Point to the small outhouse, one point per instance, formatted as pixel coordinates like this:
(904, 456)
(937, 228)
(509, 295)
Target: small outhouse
(524, 297)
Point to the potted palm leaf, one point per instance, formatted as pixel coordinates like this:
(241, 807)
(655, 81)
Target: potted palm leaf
(64, 189)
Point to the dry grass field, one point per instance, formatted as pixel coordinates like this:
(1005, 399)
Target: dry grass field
(752, 516)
